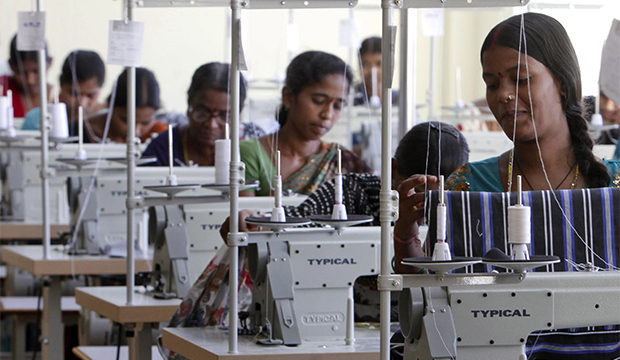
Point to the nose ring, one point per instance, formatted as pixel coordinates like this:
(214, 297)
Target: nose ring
(510, 98)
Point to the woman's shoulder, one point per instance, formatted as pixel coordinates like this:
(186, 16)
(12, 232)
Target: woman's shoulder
(480, 175)
(614, 171)
(249, 145)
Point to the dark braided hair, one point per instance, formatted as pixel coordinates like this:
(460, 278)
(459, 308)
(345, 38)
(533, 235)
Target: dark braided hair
(548, 42)
(310, 68)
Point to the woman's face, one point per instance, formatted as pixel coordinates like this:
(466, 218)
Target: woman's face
(609, 110)
(28, 78)
(87, 97)
(145, 119)
(503, 76)
(208, 113)
(317, 107)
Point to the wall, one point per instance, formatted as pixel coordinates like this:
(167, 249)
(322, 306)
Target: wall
(178, 40)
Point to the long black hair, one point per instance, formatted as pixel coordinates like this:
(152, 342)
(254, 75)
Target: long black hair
(216, 76)
(548, 42)
(423, 138)
(147, 89)
(310, 68)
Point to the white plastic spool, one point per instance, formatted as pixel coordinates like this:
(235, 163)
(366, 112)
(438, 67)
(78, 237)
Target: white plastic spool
(222, 161)
(59, 125)
(4, 112)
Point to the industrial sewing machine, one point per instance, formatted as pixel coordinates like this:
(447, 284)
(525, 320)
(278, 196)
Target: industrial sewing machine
(489, 315)
(303, 281)
(103, 210)
(186, 237)
(22, 190)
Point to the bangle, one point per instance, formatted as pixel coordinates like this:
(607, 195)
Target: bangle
(406, 242)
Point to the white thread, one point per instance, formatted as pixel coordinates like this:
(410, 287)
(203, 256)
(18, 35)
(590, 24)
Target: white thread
(519, 225)
(441, 221)
(59, 123)
(4, 112)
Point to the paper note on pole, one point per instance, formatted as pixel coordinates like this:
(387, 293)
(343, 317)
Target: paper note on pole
(432, 22)
(125, 43)
(609, 80)
(349, 33)
(30, 31)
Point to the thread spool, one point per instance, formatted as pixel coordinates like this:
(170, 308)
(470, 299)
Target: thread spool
(277, 214)
(4, 112)
(81, 153)
(442, 212)
(10, 130)
(59, 125)
(222, 161)
(519, 226)
(339, 212)
(375, 101)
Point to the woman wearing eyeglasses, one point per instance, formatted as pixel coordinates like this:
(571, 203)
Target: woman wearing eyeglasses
(316, 86)
(208, 112)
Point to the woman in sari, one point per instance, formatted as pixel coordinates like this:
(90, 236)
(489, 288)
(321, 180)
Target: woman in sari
(314, 93)
(316, 86)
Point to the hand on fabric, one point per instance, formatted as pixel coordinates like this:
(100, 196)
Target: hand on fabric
(243, 226)
(411, 205)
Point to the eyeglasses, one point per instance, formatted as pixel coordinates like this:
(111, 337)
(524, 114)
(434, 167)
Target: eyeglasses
(205, 114)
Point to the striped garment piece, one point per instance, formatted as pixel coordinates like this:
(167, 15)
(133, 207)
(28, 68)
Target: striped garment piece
(579, 226)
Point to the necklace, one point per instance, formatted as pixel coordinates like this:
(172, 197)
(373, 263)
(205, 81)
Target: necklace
(510, 169)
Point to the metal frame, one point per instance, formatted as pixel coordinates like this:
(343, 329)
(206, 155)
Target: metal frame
(251, 4)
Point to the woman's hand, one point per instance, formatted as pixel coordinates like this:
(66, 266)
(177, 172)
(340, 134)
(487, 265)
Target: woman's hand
(411, 211)
(411, 205)
(243, 226)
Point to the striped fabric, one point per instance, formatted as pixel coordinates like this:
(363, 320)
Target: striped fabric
(584, 229)
(579, 226)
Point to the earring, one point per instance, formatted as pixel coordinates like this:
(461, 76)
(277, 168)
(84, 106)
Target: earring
(510, 98)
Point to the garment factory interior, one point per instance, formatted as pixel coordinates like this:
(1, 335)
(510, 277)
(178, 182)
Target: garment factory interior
(473, 216)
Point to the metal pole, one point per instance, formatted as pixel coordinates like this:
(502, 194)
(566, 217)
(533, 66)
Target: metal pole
(403, 96)
(386, 174)
(45, 182)
(131, 166)
(351, 97)
(235, 178)
(407, 97)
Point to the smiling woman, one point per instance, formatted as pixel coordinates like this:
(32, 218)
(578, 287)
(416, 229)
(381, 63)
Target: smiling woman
(316, 86)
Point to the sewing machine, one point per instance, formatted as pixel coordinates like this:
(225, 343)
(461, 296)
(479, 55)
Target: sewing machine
(303, 281)
(489, 316)
(104, 220)
(187, 237)
(22, 192)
